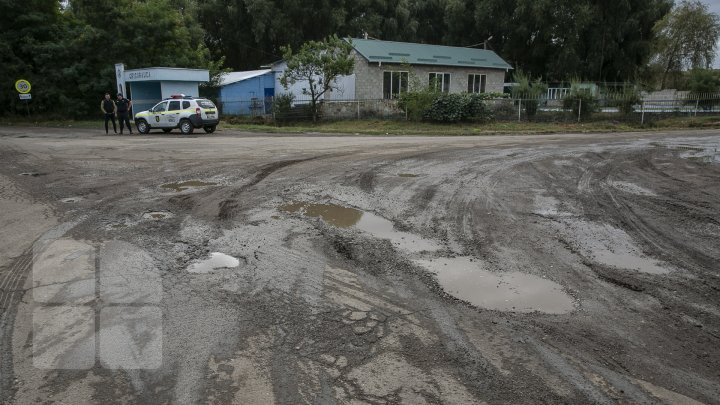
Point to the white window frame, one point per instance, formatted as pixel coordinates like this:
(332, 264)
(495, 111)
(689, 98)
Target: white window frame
(473, 79)
(391, 94)
(443, 84)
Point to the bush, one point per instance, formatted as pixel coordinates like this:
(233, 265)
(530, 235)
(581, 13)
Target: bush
(416, 102)
(581, 100)
(284, 111)
(627, 99)
(529, 92)
(458, 107)
(703, 85)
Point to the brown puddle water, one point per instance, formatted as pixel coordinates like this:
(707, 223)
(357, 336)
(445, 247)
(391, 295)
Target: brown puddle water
(216, 260)
(344, 217)
(184, 185)
(513, 292)
(408, 175)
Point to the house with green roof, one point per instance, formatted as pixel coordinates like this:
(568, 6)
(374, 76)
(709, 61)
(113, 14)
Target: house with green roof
(383, 68)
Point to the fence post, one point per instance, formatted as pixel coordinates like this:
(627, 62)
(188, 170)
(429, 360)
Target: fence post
(519, 109)
(697, 104)
(642, 112)
(579, 108)
(273, 108)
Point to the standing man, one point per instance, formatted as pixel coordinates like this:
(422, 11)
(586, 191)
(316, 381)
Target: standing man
(123, 110)
(109, 108)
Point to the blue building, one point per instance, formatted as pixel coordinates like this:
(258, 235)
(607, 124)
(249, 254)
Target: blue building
(247, 93)
(149, 85)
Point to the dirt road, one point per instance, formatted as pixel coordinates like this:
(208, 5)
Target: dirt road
(238, 268)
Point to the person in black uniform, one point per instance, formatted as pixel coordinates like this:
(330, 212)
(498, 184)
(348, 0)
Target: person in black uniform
(108, 108)
(123, 111)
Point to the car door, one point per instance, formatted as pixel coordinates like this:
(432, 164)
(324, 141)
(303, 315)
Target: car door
(159, 117)
(172, 115)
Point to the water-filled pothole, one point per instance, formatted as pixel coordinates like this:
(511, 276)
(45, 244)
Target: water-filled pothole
(344, 217)
(70, 200)
(157, 215)
(185, 185)
(465, 279)
(408, 175)
(216, 260)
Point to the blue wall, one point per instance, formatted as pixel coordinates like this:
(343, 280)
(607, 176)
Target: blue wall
(144, 95)
(236, 97)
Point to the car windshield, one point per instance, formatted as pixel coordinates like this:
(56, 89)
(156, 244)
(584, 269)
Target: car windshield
(206, 104)
(159, 107)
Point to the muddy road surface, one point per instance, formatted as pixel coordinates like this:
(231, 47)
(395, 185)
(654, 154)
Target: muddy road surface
(239, 268)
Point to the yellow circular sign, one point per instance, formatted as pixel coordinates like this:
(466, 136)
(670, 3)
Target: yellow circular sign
(23, 86)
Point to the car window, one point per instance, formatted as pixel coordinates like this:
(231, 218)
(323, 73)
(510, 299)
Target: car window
(159, 107)
(186, 104)
(174, 106)
(206, 104)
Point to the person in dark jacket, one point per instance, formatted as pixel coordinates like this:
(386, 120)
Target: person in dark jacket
(123, 111)
(109, 108)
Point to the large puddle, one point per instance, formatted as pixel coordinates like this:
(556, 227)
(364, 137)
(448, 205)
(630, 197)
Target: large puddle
(344, 217)
(186, 185)
(216, 261)
(514, 291)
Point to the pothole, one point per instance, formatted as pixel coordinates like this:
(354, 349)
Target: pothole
(216, 261)
(157, 215)
(408, 175)
(345, 217)
(464, 278)
(70, 200)
(186, 185)
(32, 174)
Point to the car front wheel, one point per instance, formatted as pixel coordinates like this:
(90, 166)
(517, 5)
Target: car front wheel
(209, 129)
(186, 127)
(142, 126)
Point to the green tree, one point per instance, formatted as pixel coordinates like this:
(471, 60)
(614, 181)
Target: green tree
(317, 64)
(686, 38)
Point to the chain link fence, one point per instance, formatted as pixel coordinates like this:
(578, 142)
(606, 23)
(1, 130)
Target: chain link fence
(562, 109)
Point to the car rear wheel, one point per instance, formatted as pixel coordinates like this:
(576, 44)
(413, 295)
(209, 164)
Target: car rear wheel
(142, 126)
(209, 129)
(186, 127)
(166, 130)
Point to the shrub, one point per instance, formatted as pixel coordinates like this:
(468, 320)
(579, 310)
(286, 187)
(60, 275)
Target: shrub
(416, 102)
(581, 100)
(529, 91)
(285, 111)
(627, 99)
(703, 85)
(458, 107)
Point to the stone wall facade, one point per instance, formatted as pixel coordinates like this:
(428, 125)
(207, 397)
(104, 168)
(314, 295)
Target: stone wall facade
(369, 77)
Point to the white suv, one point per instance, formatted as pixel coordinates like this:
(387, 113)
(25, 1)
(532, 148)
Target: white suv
(184, 112)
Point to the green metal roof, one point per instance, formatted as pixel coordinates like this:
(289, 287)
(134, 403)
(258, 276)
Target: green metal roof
(422, 54)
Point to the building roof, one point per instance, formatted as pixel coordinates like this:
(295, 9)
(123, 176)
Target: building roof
(422, 54)
(234, 77)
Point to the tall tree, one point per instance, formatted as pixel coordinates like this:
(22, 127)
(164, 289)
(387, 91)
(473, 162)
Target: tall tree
(687, 38)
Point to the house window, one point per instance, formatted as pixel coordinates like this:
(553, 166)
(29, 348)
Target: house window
(476, 83)
(394, 83)
(440, 81)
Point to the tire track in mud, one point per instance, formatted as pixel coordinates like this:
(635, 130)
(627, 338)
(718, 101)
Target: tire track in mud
(595, 181)
(227, 208)
(11, 292)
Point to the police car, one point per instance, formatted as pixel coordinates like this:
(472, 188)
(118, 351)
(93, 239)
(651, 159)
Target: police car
(179, 111)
